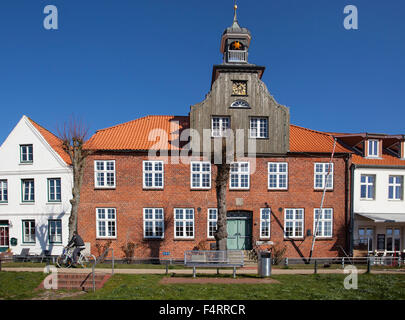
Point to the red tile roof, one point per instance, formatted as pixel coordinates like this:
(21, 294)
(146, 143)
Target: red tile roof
(157, 132)
(53, 141)
(307, 140)
(134, 135)
(386, 160)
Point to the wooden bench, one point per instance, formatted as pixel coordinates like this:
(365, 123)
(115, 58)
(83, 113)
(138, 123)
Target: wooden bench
(214, 259)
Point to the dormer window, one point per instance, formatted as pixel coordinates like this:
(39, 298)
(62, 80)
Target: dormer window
(26, 153)
(373, 147)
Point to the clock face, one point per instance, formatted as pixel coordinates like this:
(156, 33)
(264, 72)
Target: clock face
(239, 88)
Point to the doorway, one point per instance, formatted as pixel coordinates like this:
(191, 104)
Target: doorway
(239, 227)
(4, 236)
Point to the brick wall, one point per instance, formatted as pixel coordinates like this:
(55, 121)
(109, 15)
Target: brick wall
(129, 199)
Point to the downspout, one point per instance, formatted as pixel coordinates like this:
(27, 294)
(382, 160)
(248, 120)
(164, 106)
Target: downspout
(351, 228)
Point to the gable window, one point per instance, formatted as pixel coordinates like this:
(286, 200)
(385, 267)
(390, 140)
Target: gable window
(153, 174)
(240, 175)
(26, 153)
(324, 220)
(200, 175)
(153, 223)
(3, 191)
(240, 104)
(28, 231)
(54, 190)
(372, 148)
(104, 173)
(259, 128)
(220, 126)
(265, 223)
(395, 187)
(367, 187)
(106, 223)
(184, 223)
(55, 231)
(212, 222)
(293, 223)
(28, 190)
(320, 174)
(278, 175)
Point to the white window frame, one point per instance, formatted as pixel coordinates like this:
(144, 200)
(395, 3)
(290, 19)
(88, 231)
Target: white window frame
(222, 130)
(367, 184)
(323, 175)
(257, 132)
(154, 173)
(155, 222)
(24, 151)
(183, 221)
(373, 148)
(3, 191)
(295, 223)
(265, 222)
(55, 190)
(31, 231)
(200, 173)
(278, 175)
(106, 220)
(211, 221)
(322, 222)
(104, 172)
(56, 236)
(31, 190)
(239, 175)
(393, 186)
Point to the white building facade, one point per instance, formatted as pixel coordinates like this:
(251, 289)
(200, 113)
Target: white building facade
(35, 188)
(377, 192)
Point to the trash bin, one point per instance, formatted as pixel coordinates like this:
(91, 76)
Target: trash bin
(264, 264)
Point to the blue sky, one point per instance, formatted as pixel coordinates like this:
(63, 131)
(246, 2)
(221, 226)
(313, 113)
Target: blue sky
(114, 61)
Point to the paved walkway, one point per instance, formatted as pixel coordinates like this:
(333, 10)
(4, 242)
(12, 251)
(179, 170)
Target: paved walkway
(205, 271)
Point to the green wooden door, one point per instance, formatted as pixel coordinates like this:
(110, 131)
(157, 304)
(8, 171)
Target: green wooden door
(239, 234)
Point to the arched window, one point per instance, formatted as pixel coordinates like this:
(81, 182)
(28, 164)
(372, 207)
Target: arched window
(240, 104)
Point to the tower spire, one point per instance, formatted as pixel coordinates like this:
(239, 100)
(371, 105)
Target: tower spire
(235, 17)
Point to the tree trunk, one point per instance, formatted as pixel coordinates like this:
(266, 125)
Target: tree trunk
(221, 235)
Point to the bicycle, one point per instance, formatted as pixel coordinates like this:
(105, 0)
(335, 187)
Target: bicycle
(65, 260)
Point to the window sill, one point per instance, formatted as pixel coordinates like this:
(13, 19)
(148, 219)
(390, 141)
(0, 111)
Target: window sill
(27, 203)
(239, 189)
(200, 189)
(32, 244)
(276, 189)
(54, 203)
(106, 238)
(153, 188)
(3, 203)
(324, 238)
(26, 163)
(104, 188)
(321, 190)
(153, 239)
(184, 239)
(364, 199)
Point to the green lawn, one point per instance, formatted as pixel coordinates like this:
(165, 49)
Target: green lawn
(19, 285)
(299, 287)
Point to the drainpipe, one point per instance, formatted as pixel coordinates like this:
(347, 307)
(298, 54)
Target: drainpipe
(351, 228)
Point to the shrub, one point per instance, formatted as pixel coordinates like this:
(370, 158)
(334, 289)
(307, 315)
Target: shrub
(129, 250)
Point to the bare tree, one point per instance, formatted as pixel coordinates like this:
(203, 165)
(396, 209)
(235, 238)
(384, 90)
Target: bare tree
(221, 185)
(73, 136)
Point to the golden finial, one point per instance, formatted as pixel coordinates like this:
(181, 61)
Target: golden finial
(235, 7)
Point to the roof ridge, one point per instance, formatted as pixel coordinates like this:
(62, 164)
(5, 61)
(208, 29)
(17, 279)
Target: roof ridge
(312, 130)
(134, 120)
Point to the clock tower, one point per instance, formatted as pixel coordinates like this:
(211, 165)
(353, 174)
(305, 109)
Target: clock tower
(239, 99)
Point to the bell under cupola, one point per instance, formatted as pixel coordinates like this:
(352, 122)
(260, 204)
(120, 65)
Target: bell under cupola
(235, 42)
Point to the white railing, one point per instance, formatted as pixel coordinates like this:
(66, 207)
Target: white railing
(237, 56)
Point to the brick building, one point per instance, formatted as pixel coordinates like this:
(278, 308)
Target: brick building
(137, 189)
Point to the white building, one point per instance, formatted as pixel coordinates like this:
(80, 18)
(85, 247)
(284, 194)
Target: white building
(378, 205)
(35, 189)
